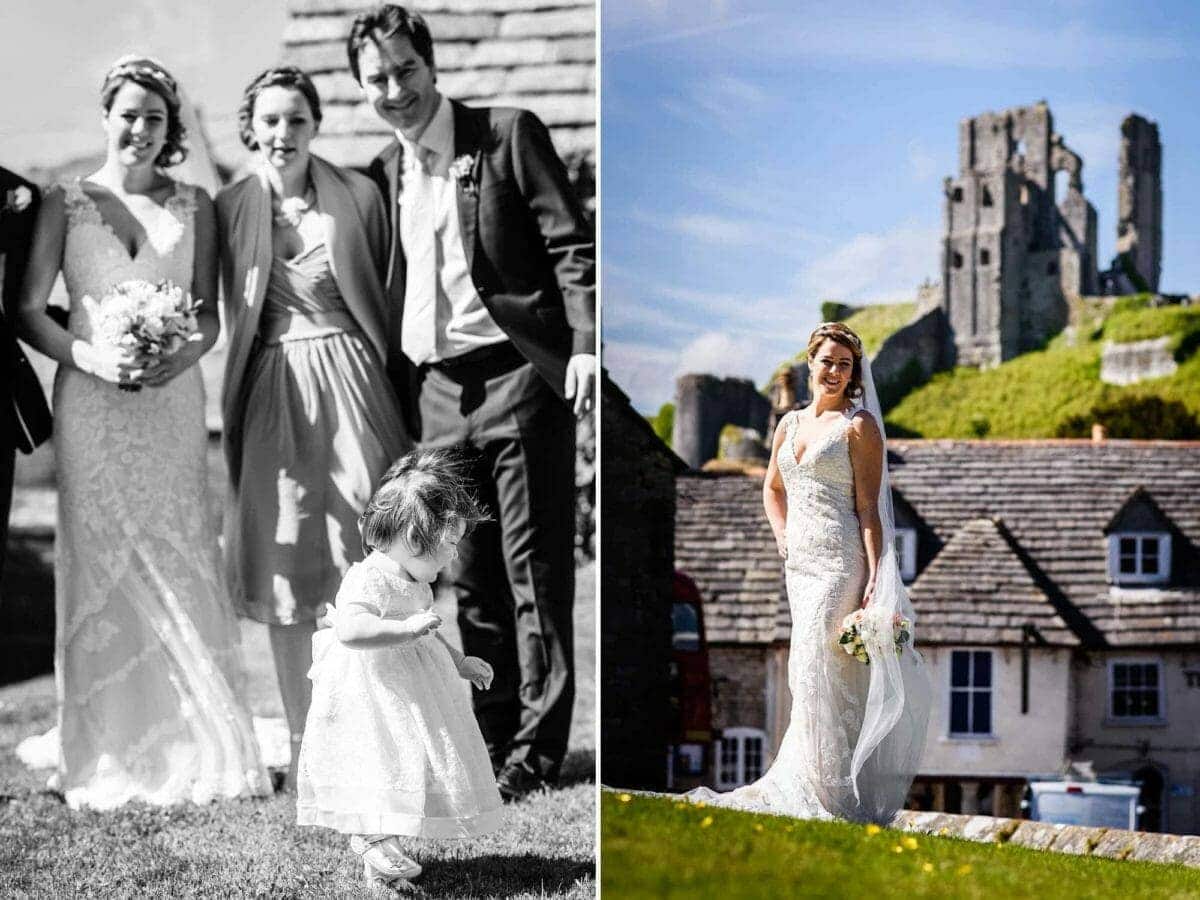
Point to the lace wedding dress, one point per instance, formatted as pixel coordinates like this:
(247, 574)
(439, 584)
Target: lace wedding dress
(146, 651)
(851, 745)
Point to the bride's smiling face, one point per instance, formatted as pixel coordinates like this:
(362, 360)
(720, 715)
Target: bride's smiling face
(283, 125)
(831, 367)
(136, 125)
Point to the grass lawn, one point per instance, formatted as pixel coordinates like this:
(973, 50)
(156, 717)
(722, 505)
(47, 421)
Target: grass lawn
(253, 848)
(652, 847)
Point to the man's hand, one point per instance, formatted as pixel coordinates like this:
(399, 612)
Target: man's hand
(477, 671)
(581, 381)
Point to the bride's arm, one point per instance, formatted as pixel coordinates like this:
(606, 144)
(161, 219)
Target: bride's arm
(774, 495)
(866, 458)
(204, 288)
(33, 322)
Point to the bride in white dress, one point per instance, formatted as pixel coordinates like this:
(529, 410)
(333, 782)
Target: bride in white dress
(856, 731)
(146, 646)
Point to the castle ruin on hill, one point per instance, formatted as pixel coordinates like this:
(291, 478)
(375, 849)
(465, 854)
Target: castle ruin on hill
(1012, 256)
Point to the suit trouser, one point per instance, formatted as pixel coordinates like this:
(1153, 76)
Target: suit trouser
(515, 576)
(8, 452)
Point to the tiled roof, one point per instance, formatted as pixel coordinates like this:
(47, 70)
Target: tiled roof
(1052, 500)
(535, 54)
(723, 542)
(978, 589)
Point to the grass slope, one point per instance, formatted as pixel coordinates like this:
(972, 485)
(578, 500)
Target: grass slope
(1038, 394)
(546, 847)
(653, 847)
(874, 324)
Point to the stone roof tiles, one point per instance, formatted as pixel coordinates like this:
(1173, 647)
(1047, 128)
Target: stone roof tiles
(536, 54)
(1052, 500)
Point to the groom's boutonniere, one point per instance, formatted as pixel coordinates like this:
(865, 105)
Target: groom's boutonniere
(461, 170)
(17, 199)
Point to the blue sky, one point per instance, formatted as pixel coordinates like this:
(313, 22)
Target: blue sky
(759, 157)
(57, 51)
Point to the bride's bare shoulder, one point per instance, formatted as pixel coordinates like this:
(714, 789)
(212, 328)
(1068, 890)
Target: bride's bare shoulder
(863, 427)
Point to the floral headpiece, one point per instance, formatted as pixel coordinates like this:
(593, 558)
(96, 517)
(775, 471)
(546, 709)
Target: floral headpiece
(135, 66)
(829, 329)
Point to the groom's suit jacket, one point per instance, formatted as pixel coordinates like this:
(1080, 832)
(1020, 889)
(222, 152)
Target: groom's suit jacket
(22, 404)
(528, 243)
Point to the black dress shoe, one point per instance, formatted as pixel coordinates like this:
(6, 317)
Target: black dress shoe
(516, 781)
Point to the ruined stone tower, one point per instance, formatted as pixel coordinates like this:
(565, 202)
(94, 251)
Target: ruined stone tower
(1139, 203)
(704, 404)
(1010, 254)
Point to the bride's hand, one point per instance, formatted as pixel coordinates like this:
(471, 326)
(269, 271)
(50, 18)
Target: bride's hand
(868, 592)
(162, 369)
(112, 364)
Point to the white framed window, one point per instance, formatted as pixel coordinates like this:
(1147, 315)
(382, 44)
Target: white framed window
(741, 756)
(1136, 694)
(971, 693)
(1139, 557)
(906, 553)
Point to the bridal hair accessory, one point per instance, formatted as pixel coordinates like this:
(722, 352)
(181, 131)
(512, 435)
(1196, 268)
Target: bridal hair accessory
(135, 66)
(460, 169)
(829, 329)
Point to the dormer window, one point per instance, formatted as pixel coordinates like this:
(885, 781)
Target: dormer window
(1139, 557)
(906, 553)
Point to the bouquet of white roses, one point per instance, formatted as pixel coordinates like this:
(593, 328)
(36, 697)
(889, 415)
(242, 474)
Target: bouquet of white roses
(146, 319)
(858, 626)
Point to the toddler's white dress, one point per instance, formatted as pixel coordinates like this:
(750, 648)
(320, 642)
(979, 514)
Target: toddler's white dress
(391, 745)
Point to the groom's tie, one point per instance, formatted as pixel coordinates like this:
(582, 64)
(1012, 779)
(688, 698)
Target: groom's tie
(418, 222)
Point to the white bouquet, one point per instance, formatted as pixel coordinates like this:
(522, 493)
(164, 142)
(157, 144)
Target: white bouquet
(146, 319)
(858, 626)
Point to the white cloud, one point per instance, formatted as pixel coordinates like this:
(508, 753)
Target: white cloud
(645, 372)
(714, 229)
(874, 267)
(721, 354)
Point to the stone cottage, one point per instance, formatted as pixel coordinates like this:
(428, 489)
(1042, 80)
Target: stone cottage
(1057, 590)
(637, 534)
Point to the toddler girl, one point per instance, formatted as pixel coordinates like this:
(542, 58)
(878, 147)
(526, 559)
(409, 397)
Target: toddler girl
(391, 746)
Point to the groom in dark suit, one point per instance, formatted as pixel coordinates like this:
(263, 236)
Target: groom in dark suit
(24, 418)
(491, 283)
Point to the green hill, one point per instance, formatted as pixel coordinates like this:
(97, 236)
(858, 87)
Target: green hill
(658, 847)
(1057, 392)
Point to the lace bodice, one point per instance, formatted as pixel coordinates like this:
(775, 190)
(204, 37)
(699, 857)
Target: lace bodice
(389, 595)
(95, 259)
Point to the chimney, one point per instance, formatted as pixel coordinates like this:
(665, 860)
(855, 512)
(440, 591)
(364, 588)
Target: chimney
(1099, 433)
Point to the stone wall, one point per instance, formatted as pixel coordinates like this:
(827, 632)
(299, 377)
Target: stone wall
(739, 680)
(704, 404)
(1129, 363)
(1139, 202)
(1020, 745)
(1076, 840)
(1170, 747)
(910, 356)
(637, 531)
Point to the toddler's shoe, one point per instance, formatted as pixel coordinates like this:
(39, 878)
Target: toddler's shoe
(383, 859)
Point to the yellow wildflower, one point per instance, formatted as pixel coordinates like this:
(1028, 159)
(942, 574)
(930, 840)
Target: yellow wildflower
(964, 870)
(873, 830)
(706, 821)
(758, 827)
(625, 798)
(910, 843)
(927, 868)
(897, 849)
